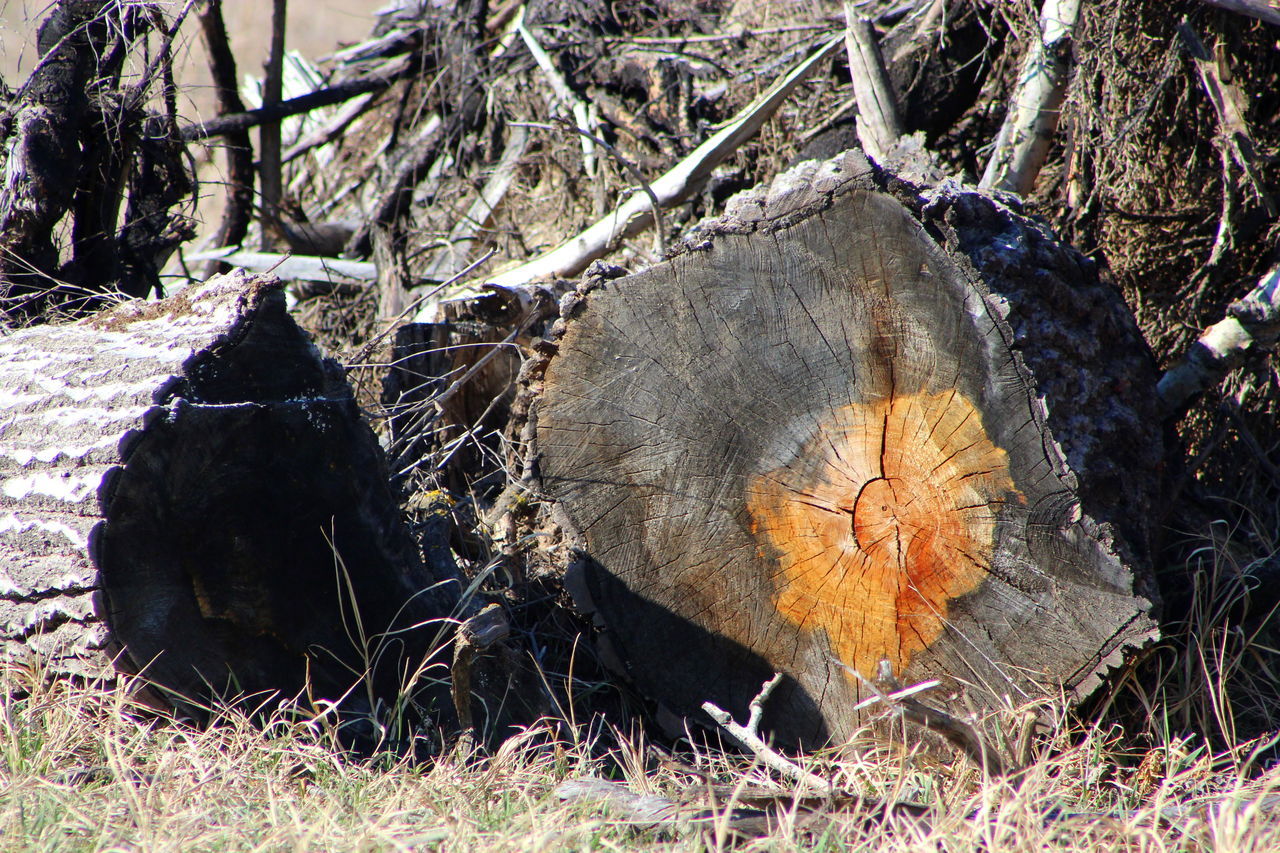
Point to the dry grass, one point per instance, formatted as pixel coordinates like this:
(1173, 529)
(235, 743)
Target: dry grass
(85, 769)
(82, 768)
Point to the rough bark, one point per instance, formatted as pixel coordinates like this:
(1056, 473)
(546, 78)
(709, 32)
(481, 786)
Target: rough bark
(188, 490)
(80, 149)
(858, 423)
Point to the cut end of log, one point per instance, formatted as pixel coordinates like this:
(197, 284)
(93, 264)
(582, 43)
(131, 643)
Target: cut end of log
(234, 525)
(857, 424)
(885, 516)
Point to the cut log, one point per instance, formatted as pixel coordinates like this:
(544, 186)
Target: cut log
(188, 491)
(858, 423)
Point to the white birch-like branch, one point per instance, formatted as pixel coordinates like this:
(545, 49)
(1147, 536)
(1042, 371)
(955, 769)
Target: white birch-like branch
(1251, 323)
(1023, 142)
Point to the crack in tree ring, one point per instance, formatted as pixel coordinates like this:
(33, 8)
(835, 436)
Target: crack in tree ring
(883, 517)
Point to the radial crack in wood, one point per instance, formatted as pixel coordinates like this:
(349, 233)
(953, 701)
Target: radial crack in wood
(861, 422)
(885, 515)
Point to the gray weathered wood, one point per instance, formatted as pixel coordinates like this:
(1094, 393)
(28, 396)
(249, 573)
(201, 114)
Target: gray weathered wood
(857, 423)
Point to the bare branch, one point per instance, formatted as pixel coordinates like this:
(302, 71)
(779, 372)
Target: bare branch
(238, 207)
(1023, 141)
(581, 114)
(749, 736)
(1230, 105)
(879, 126)
(269, 144)
(1251, 323)
(573, 255)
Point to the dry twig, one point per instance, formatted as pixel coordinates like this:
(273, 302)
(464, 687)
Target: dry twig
(749, 736)
(582, 113)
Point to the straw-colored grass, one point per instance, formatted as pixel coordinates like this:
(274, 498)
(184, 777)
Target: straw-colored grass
(82, 769)
(1172, 762)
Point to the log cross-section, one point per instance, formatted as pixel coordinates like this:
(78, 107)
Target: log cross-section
(857, 424)
(189, 491)
(901, 495)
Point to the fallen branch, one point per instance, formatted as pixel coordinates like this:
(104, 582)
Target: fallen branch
(289, 267)
(1229, 104)
(1251, 323)
(1260, 9)
(1023, 141)
(331, 129)
(581, 113)
(879, 126)
(633, 215)
(328, 96)
(749, 736)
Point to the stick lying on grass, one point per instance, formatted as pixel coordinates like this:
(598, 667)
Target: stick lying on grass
(749, 736)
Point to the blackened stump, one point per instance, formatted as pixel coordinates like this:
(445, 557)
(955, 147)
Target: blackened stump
(188, 490)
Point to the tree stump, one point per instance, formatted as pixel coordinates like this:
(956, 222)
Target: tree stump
(188, 491)
(857, 423)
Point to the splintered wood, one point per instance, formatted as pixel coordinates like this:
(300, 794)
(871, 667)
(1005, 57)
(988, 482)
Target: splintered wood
(885, 516)
(826, 437)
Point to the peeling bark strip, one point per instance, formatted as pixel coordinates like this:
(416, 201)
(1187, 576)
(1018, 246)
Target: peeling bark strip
(857, 424)
(187, 486)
